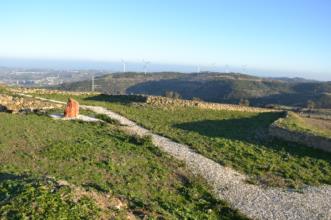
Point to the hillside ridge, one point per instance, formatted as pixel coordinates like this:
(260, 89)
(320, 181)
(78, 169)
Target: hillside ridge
(213, 87)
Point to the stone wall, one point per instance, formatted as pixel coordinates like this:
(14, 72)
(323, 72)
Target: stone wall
(48, 91)
(16, 104)
(154, 100)
(164, 101)
(306, 139)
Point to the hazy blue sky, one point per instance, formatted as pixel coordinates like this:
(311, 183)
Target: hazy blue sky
(272, 35)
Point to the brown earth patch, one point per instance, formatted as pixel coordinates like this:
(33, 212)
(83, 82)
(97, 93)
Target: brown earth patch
(109, 205)
(319, 123)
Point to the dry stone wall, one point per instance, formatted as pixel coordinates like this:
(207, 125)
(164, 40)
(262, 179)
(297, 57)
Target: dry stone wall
(47, 91)
(304, 138)
(163, 101)
(15, 104)
(155, 100)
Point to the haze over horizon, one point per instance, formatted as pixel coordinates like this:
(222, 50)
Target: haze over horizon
(274, 38)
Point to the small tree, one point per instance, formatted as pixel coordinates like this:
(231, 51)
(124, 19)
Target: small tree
(176, 95)
(172, 94)
(244, 102)
(196, 99)
(311, 104)
(168, 94)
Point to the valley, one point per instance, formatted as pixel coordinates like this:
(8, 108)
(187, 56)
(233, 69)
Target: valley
(214, 87)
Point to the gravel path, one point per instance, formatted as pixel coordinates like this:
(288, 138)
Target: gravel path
(79, 117)
(229, 185)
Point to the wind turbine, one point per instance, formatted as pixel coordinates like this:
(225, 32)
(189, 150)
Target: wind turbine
(198, 68)
(227, 69)
(212, 65)
(244, 68)
(145, 65)
(92, 83)
(124, 65)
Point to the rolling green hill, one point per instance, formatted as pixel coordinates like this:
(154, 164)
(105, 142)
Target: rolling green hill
(214, 87)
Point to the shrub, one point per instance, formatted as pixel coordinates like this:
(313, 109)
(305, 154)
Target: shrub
(196, 99)
(244, 102)
(311, 104)
(172, 94)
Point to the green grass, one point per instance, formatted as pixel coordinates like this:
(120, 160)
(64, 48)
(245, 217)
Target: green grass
(26, 197)
(95, 156)
(296, 123)
(89, 113)
(235, 139)
(4, 90)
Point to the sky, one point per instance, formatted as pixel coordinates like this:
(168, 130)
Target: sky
(275, 37)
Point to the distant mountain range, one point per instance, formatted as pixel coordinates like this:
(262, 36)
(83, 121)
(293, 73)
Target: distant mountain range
(214, 87)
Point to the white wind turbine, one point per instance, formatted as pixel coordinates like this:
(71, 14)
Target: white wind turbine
(124, 65)
(212, 66)
(145, 65)
(227, 68)
(92, 83)
(198, 68)
(244, 68)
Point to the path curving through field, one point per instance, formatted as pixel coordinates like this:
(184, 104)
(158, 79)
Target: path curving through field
(229, 185)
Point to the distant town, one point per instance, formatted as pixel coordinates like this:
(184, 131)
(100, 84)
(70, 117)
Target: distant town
(44, 77)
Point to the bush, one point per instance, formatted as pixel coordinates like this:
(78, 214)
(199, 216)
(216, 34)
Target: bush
(244, 102)
(311, 104)
(196, 99)
(172, 94)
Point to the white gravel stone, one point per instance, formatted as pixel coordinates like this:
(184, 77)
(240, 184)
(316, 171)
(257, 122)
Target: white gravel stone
(79, 117)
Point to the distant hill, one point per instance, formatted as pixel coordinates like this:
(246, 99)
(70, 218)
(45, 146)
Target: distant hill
(214, 87)
(292, 80)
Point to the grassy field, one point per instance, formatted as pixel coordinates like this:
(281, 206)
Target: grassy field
(313, 126)
(99, 160)
(235, 139)
(23, 197)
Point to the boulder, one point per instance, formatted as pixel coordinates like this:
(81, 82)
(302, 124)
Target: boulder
(72, 109)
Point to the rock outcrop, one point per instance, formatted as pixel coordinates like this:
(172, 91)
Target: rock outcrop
(15, 104)
(72, 109)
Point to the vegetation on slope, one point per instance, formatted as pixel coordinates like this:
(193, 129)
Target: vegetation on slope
(316, 127)
(214, 87)
(236, 139)
(24, 197)
(94, 156)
